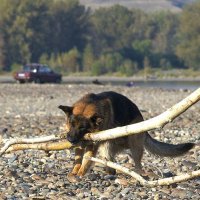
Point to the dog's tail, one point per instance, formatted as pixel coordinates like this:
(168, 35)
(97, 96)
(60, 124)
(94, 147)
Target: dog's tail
(164, 149)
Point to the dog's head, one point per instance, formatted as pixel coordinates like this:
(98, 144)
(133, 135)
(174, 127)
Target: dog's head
(82, 118)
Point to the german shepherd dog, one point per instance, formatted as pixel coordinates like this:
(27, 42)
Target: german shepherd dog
(106, 110)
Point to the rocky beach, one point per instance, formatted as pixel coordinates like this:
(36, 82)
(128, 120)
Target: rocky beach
(31, 110)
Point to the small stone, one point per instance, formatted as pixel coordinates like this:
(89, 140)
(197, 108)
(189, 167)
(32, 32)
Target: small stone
(189, 164)
(80, 195)
(121, 181)
(106, 183)
(128, 165)
(45, 191)
(125, 191)
(153, 189)
(119, 196)
(3, 130)
(60, 183)
(142, 193)
(26, 188)
(70, 193)
(51, 179)
(110, 177)
(87, 185)
(168, 174)
(86, 194)
(179, 193)
(51, 185)
(95, 191)
(41, 197)
(156, 197)
(43, 161)
(111, 188)
(41, 182)
(74, 187)
(191, 194)
(93, 177)
(12, 159)
(36, 177)
(165, 190)
(106, 195)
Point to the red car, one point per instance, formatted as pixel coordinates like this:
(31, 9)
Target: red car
(37, 73)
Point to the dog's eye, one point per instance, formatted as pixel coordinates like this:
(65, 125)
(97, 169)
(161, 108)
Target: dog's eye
(96, 119)
(93, 118)
(72, 121)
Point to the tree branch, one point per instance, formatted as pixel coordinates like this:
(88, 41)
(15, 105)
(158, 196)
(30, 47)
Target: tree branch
(53, 146)
(156, 122)
(164, 181)
(27, 141)
(153, 123)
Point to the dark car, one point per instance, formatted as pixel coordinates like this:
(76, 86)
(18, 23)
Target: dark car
(37, 73)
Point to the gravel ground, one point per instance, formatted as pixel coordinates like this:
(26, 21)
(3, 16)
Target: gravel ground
(31, 110)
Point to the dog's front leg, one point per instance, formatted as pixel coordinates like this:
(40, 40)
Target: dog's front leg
(79, 150)
(90, 151)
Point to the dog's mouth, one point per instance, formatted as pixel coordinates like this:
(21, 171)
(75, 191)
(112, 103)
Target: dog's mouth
(73, 141)
(75, 137)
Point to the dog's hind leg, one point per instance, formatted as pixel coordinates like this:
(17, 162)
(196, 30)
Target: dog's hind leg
(136, 145)
(107, 152)
(90, 151)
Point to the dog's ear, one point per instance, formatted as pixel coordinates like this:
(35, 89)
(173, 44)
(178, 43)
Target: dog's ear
(66, 109)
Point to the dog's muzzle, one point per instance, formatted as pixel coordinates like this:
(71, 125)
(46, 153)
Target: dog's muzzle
(75, 136)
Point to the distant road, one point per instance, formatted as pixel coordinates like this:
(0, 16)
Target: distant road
(103, 79)
(81, 79)
(178, 83)
(6, 79)
(74, 79)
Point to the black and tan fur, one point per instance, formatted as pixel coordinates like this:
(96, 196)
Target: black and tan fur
(96, 112)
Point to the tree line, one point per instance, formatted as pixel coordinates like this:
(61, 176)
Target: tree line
(70, 38)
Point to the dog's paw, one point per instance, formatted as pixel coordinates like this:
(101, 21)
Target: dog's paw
(73, 178)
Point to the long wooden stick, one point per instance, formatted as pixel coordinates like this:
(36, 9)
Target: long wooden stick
(53, 146)
(153, 123)
(27, 141)
(156, 122)
(164, 181)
